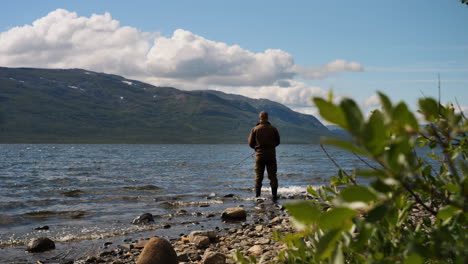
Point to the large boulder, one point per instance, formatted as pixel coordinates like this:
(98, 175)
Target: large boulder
(234, 213)
(158, 251)
(143, 219)
(40, 244)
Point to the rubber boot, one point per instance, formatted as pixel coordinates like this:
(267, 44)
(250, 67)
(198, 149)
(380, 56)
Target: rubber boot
(274, 192)
(258, 191)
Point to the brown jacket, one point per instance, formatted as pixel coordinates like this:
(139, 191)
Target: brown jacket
(264, 138)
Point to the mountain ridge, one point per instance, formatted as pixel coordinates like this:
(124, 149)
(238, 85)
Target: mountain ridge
(81, 106)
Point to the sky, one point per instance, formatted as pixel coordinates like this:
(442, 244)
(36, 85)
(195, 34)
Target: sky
(285, 51)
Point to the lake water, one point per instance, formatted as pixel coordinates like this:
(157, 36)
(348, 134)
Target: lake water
(87, 192)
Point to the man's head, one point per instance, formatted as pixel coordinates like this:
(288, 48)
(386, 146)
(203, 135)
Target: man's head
(263, 116)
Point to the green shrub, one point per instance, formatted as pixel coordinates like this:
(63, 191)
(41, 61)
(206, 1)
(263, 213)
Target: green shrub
(414, 209)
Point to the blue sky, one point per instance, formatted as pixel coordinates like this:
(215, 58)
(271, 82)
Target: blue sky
(353, 47)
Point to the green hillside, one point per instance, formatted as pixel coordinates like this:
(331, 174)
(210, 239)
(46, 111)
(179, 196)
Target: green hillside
(79, 106)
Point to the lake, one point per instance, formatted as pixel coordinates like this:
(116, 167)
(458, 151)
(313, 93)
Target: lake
(88, 192)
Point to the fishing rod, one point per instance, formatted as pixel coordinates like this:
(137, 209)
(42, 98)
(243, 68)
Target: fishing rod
(243, 160)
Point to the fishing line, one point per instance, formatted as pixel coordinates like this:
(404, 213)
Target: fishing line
(235, 166)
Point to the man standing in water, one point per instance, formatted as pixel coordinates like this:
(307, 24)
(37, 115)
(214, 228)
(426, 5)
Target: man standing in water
(264, 138)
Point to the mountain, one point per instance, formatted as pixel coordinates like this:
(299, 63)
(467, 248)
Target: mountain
(80, 106)
(338, 130)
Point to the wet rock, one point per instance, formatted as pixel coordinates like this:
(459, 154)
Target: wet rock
(234, 213)
(213, 258)
(229, 195)
(167, 226)
(40, 244)
(106, 253)
(143, 219)
(91, 259)
(157, 251)
(127, 247)
(42, 228)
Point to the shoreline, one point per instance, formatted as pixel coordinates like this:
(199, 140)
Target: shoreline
(253, 237)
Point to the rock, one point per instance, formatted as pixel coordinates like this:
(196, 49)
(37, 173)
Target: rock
(183, 257)
(42, 228)
(158, 251)
(276, 220)
(229, 195)
(127, 247)
(259, 228)
(167, 226)
(256, 250)
(91, 259)
(40, 244)
(234, 213)
(140, 245)
(143, 219)
(210, 234)
(263, 241)
(201, 241)
(213, 258)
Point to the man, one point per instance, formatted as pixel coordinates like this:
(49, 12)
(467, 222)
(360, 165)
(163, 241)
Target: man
(264, 138)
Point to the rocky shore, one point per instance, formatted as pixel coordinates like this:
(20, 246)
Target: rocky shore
(252, 237)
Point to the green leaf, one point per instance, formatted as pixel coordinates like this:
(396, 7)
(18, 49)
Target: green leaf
(448, 212)
(336, 218)
(354, 117)
(305, 212)
(327, 243)
(331, 112)
(370, 173)
(429, 108)
(435, 157)
(375, 133)
(357, 194)
(377, 213)
(413, 258)
(347, 145)
(406, 119)
(386, 104)
(312, 191)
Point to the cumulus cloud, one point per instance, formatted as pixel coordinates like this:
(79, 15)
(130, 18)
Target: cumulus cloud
(62, 39)
(184, 60)
(297, 94)
(372, 101)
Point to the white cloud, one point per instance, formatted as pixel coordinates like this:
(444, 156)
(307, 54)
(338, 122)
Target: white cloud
(372, 101)
(296, 94)
(328, 69)
(62, 39)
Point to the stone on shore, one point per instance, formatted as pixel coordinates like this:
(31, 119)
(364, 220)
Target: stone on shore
(256, 250)
(210, 234)
(201, 241)
(213, 258)
(40, 244)
(143, 219)
(234, 213)
(158, 251)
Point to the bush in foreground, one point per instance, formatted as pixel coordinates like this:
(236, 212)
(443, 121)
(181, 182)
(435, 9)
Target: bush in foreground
(414, 210)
